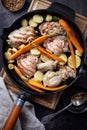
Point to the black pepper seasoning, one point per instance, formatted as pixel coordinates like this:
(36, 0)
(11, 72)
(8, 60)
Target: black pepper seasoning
(14, 5)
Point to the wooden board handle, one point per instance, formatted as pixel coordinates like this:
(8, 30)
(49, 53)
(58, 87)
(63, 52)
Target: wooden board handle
(13, 116)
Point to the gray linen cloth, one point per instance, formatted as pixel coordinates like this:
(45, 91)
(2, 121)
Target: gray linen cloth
(27, 119)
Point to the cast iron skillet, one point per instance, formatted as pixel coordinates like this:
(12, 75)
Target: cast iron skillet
(61, 11)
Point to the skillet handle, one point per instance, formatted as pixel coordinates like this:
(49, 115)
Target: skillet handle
(63, 10)
(13, 116)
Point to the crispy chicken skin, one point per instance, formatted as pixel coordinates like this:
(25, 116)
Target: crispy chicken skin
(21, 36)
(56, 45)
(66, 72)
(53, 79)
(27, 64)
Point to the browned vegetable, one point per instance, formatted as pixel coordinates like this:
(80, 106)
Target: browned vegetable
(71, 35)
(50, 55)
(27, 83)
(72, 54)
(39, 85)
(26, 48)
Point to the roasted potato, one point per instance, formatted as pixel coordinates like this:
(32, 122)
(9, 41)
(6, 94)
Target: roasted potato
(78, 61)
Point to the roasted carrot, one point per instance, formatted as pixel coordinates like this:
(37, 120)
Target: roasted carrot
(72, 54)
(34, 88)
(71, 35)
(36, 85)
(26, 48)
(50, 55)
(18, 72)
(27, 83)
(39, 85)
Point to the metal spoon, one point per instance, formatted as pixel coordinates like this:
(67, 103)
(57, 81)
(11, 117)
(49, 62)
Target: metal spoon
(76, 100)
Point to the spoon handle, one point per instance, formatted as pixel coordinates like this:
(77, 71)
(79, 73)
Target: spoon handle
(49, 117)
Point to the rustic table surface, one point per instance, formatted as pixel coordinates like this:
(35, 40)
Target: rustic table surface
(66, 120)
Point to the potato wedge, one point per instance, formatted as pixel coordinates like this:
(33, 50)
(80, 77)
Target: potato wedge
(38, 18)
(35, 52)
(38, 76)
(78, 53)
(64, 57)
(32, 23)
(10, 66)
(12, 50)
(21, 46)
(24, 23)
(7, 55)
(48, 17)
(78, 61)
(44, 58)
(11, 61)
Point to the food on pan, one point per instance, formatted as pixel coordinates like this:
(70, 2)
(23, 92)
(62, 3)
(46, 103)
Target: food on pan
(44, 58)
(38, 18)
(35, 51)
(51, 28)
(64, 57)
(49, 65)
(27, 64)
(71, 35)
(57, 44)
(52, 78)
(38, 75)
(35, 43)
(78, 61)
(21, 36)
(24, 23)
(35, 20)
(32, 23)
(78, 53)
(44, 53)
(10, 66)
(48, 17)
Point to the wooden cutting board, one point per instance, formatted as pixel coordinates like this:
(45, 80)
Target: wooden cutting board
(49, 101)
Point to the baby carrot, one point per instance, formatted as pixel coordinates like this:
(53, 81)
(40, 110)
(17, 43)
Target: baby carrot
(71, 35)
(50, 55)
(39, 85)
(26, 48)
(34, 88)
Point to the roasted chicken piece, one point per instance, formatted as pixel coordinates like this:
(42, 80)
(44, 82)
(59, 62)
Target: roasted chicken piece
(66, 72)
(57, 44)
(49, 65)
(51, 28)
(54, 79)
(21, 36)
(27, 64)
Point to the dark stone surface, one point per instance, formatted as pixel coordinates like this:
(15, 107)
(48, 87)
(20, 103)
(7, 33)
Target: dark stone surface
(65, 120)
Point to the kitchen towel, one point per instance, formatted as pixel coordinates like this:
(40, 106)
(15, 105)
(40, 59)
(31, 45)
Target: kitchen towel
(27, 119)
